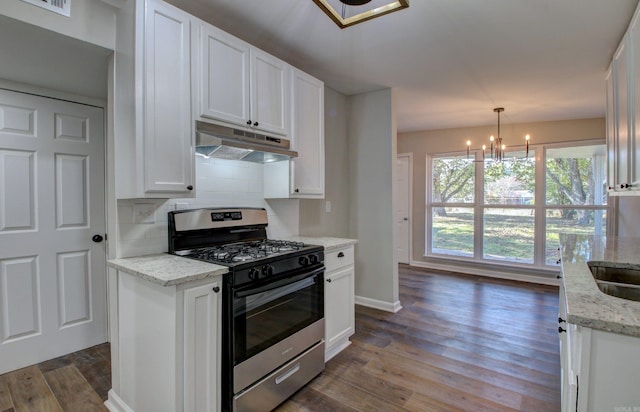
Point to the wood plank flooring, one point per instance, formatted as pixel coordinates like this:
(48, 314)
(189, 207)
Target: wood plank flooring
(460, 343)
(75, 382)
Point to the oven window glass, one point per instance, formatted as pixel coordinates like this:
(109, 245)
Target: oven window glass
(265, 318)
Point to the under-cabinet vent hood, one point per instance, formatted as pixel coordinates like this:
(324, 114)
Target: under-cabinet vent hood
(223, 142)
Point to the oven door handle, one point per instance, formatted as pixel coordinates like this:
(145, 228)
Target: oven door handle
(278, 284)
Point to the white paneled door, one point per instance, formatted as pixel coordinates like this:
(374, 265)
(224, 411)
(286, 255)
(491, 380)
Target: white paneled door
(402, 205)
(52, 274)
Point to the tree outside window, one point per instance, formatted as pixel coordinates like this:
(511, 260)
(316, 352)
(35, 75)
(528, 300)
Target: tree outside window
(504, 217)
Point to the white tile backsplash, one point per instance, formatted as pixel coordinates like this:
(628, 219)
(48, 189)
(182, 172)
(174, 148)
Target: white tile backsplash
(142, 223)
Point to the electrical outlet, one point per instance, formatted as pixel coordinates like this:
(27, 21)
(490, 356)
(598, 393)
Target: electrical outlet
(144, 213)
(327, 206)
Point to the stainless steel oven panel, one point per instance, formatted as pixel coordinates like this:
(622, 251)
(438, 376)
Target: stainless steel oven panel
(279, 385)
(264, 362)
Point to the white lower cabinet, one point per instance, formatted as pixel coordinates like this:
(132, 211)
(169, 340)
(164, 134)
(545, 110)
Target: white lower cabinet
(599, 370)
(167, 345)
(339, 309)
(202, 338)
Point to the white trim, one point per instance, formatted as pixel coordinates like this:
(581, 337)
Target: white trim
(50, 93)
(115, 404)
(542, 280)
(378, 304)
(331, 353)
(410, 201)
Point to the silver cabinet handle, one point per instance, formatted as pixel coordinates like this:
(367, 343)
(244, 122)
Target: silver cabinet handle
(287, 374)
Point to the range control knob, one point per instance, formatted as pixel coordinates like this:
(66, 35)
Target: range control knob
(304, 261)
(313, 259)
(267, 270)
(254, 274)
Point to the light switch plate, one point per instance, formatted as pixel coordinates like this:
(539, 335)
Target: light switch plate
(327, 206)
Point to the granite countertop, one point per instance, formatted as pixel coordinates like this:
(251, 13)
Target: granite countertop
(329, 243)
(586, 304)
(167, 270)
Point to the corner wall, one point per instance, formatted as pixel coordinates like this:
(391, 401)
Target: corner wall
(91, 21)
(372, 160)
(314, 219)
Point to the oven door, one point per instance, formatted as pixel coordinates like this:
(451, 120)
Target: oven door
(275, 322)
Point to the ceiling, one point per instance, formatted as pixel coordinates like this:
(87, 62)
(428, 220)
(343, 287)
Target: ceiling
(450, 61)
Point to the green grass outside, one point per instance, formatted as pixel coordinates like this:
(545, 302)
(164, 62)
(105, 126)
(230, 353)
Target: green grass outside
(508, 237)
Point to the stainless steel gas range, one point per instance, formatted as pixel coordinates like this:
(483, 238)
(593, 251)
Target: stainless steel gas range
(273, 303)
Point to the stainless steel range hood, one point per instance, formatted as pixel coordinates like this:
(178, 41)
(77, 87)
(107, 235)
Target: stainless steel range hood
(213, 140)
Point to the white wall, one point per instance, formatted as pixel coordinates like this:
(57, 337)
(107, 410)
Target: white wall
(372, 157)
(142, 223)
(92, 21)
(314, 219)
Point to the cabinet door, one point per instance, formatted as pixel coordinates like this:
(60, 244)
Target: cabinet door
(622, 109)
(224, 77)
(168, 156)
(202, 311)
(307, 134)
(269, 93)
(339, 309)
(611, 130)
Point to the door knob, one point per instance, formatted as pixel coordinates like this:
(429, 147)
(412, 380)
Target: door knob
(405, 218)
(97, 238)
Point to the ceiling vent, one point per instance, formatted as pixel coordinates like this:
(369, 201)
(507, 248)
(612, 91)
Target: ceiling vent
(57, 6)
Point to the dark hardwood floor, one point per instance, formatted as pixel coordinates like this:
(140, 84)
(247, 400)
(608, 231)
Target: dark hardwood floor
(460, 343)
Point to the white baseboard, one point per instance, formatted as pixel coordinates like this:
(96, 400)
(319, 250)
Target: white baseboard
(115, 404)
(337, 348)
(541, 280)
(378, 304)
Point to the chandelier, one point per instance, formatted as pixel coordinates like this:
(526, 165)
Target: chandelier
(346, 13)
(496, 146)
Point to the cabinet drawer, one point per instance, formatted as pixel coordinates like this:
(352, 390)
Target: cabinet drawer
(338, 258)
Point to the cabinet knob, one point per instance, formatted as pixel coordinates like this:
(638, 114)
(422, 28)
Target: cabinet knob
(249, 122)
(560, 320)
(255, 123)
(560, 330)
(297, 190)
(216, 289)
(329, 280)
(340, 254)
(558, 277)
(190, 187)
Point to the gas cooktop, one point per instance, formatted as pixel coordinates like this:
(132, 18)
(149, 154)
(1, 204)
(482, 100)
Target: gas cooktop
(240, 252)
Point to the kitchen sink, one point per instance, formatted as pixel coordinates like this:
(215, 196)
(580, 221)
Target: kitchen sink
(615, 281)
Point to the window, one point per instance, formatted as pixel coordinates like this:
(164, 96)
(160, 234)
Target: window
(511, 212)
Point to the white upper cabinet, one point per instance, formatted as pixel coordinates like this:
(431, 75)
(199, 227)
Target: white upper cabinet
(623, 119)
(303, 176)
(307, 129)
(241, 84)
(224, 77)
(152, 111)
(169, 159)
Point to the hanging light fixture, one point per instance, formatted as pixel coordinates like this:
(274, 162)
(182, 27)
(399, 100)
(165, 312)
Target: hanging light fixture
(338, 10)
(496, 146)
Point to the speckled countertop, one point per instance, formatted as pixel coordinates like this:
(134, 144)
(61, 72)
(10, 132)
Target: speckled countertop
(586, 304)
(329, 243)
(167, 270)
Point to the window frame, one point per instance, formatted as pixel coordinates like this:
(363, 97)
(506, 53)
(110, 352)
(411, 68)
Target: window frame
(540, 206)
